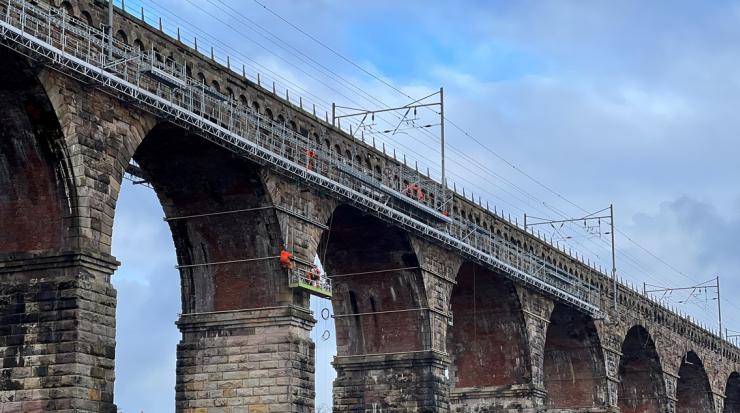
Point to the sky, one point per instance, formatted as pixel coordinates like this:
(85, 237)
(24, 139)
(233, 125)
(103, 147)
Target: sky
(571, 105)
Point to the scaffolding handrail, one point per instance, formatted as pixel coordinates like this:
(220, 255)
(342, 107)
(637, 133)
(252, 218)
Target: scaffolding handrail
(48, 34)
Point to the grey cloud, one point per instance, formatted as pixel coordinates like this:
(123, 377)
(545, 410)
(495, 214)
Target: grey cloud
(635, 104)
(700, 240)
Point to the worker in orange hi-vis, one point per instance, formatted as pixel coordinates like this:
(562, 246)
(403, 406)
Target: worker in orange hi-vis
(286, 259)
(415, 190)
(316, 276)
(310, 156)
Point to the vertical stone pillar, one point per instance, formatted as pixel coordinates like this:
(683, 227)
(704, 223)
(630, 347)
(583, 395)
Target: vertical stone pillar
(671, 399)
(536, 310)
(400, 382)
(256, 361)
(415, 380)
(719, 402)
(611, 339)
(611, 360)
(406, 378)
(57, 333)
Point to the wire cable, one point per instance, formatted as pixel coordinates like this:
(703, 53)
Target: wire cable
(461, 158)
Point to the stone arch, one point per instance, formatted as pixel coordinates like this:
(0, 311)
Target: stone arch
(375, 274)
(86, 17)
(177, 164)
(573, 369)
(72, 168)
(388, 331)
(642, 388)
(487, 341)
(732, 394)
(229, 235)
(67, 8)
(139, 45)
(37, 191)
(122, 36)
(157, 54)
(693, 391)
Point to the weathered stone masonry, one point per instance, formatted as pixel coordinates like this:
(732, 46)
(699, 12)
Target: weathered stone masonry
(418, 329)
(60, 176)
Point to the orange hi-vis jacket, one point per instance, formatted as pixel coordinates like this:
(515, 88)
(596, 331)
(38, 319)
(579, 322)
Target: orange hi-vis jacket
(285, 259)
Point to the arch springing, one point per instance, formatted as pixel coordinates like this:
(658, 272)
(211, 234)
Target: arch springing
(641, 388)
(574, 373)
(693, 391)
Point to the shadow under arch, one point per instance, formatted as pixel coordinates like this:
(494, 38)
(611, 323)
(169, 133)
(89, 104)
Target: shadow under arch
(573, 369)
(487, 341)
(236, 298)
(227, 239)
(37, 191)
(226, 235)
(385, 330)
(732, 394)
(693, 391)
(378, 287)
(642, 388)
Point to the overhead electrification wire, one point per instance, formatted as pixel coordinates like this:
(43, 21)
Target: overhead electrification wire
(633, 261)
(336, 53)
(396, 143)
(464, 160)
(451, 122)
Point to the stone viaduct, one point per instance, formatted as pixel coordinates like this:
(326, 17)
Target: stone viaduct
(420, 326)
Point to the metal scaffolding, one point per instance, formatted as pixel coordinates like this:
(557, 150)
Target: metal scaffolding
(161, 87)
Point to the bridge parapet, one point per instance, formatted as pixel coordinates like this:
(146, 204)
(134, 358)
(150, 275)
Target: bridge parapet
(292, 133)
(343, 171)
(481, 228)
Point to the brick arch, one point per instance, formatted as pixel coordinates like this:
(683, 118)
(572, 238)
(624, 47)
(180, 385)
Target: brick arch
(732, 394)
(139, 45)
(487, 341)
(642, 388)
(67, 7)
(86, 17)
(693, 391)
(573, 369)
(62, 221)
(122, 36)
(193, 176)
(37, 191)
(377, 285)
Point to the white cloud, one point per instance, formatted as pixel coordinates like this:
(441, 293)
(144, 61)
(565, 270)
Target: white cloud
(632, 103)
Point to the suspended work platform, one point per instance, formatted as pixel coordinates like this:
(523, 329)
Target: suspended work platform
(311, 280)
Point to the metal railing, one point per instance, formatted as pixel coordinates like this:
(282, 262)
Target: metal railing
(305, 277)
(161, 87)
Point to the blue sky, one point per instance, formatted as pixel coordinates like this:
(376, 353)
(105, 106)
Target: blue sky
(631, 103)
